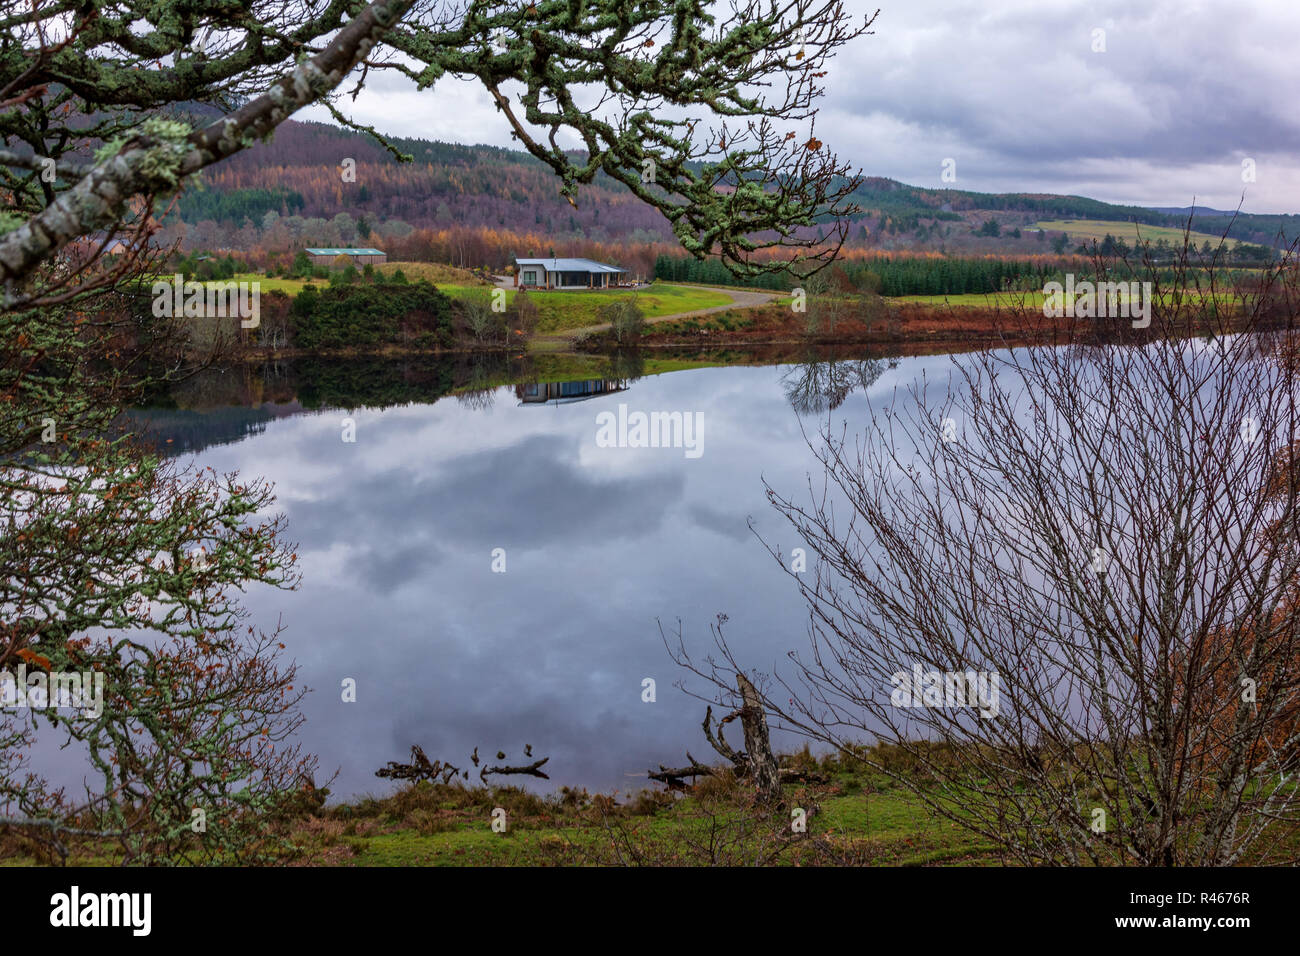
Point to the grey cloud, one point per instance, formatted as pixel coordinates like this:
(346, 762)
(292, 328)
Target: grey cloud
(1014, 92)
(1022, 102)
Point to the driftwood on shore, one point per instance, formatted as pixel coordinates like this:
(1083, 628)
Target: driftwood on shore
(756, 763)
(420, 768)
(532, 770)
(436, 771)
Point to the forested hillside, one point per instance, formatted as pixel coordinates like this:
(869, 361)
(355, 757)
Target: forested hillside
(319, 184)
(301, 172)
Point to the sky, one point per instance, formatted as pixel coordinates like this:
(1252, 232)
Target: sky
(1154, 102)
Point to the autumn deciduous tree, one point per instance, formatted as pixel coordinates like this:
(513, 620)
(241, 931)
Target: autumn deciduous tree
(625, 318)
(118, 564)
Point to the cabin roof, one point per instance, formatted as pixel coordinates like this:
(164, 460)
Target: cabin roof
(568, 265)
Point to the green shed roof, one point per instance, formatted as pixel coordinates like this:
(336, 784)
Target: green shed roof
(346, 252)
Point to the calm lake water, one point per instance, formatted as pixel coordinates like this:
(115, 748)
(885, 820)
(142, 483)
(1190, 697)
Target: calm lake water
(396, 533)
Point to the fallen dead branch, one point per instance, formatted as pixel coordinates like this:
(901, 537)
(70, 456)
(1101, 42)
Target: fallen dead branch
(420, 768)
(436, 771)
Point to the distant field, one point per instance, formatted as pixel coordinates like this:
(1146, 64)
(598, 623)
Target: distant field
(1081, 230)
(290, 286)
(976, 300)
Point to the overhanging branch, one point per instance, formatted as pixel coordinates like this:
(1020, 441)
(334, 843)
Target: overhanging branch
(156, 165)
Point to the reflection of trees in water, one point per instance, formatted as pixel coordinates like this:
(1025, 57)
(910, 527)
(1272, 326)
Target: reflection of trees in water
(215, 387)
(275, 372)
(477, 399)
(624, 365)
(380, 382)
(484, 375)
(821, 385)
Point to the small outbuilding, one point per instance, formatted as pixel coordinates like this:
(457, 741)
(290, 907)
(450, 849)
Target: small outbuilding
(359, 257)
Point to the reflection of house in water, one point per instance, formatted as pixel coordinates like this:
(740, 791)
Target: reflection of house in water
(539, 393)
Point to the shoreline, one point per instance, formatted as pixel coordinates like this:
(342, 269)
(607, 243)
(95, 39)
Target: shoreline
(902, 330)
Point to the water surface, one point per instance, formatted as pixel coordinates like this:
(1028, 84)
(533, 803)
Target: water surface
(396, 533)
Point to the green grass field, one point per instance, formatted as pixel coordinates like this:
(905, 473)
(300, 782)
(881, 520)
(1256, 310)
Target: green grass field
(1085, 230)
(438, 273)
(977, 300)
(890, 828)
(564, 311)
(291, 286)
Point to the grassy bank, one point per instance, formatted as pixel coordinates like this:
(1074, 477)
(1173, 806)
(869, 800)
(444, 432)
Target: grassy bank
(562, 311)
(853, 817)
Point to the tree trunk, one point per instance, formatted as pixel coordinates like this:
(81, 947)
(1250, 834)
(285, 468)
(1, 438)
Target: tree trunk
(758, 746)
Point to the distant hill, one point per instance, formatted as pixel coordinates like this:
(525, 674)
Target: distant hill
(890, 197)
(889, 194)
(1185, 211)
(299, 173)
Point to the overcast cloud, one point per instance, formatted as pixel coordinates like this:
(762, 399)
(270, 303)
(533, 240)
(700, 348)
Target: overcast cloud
(1014, 93)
